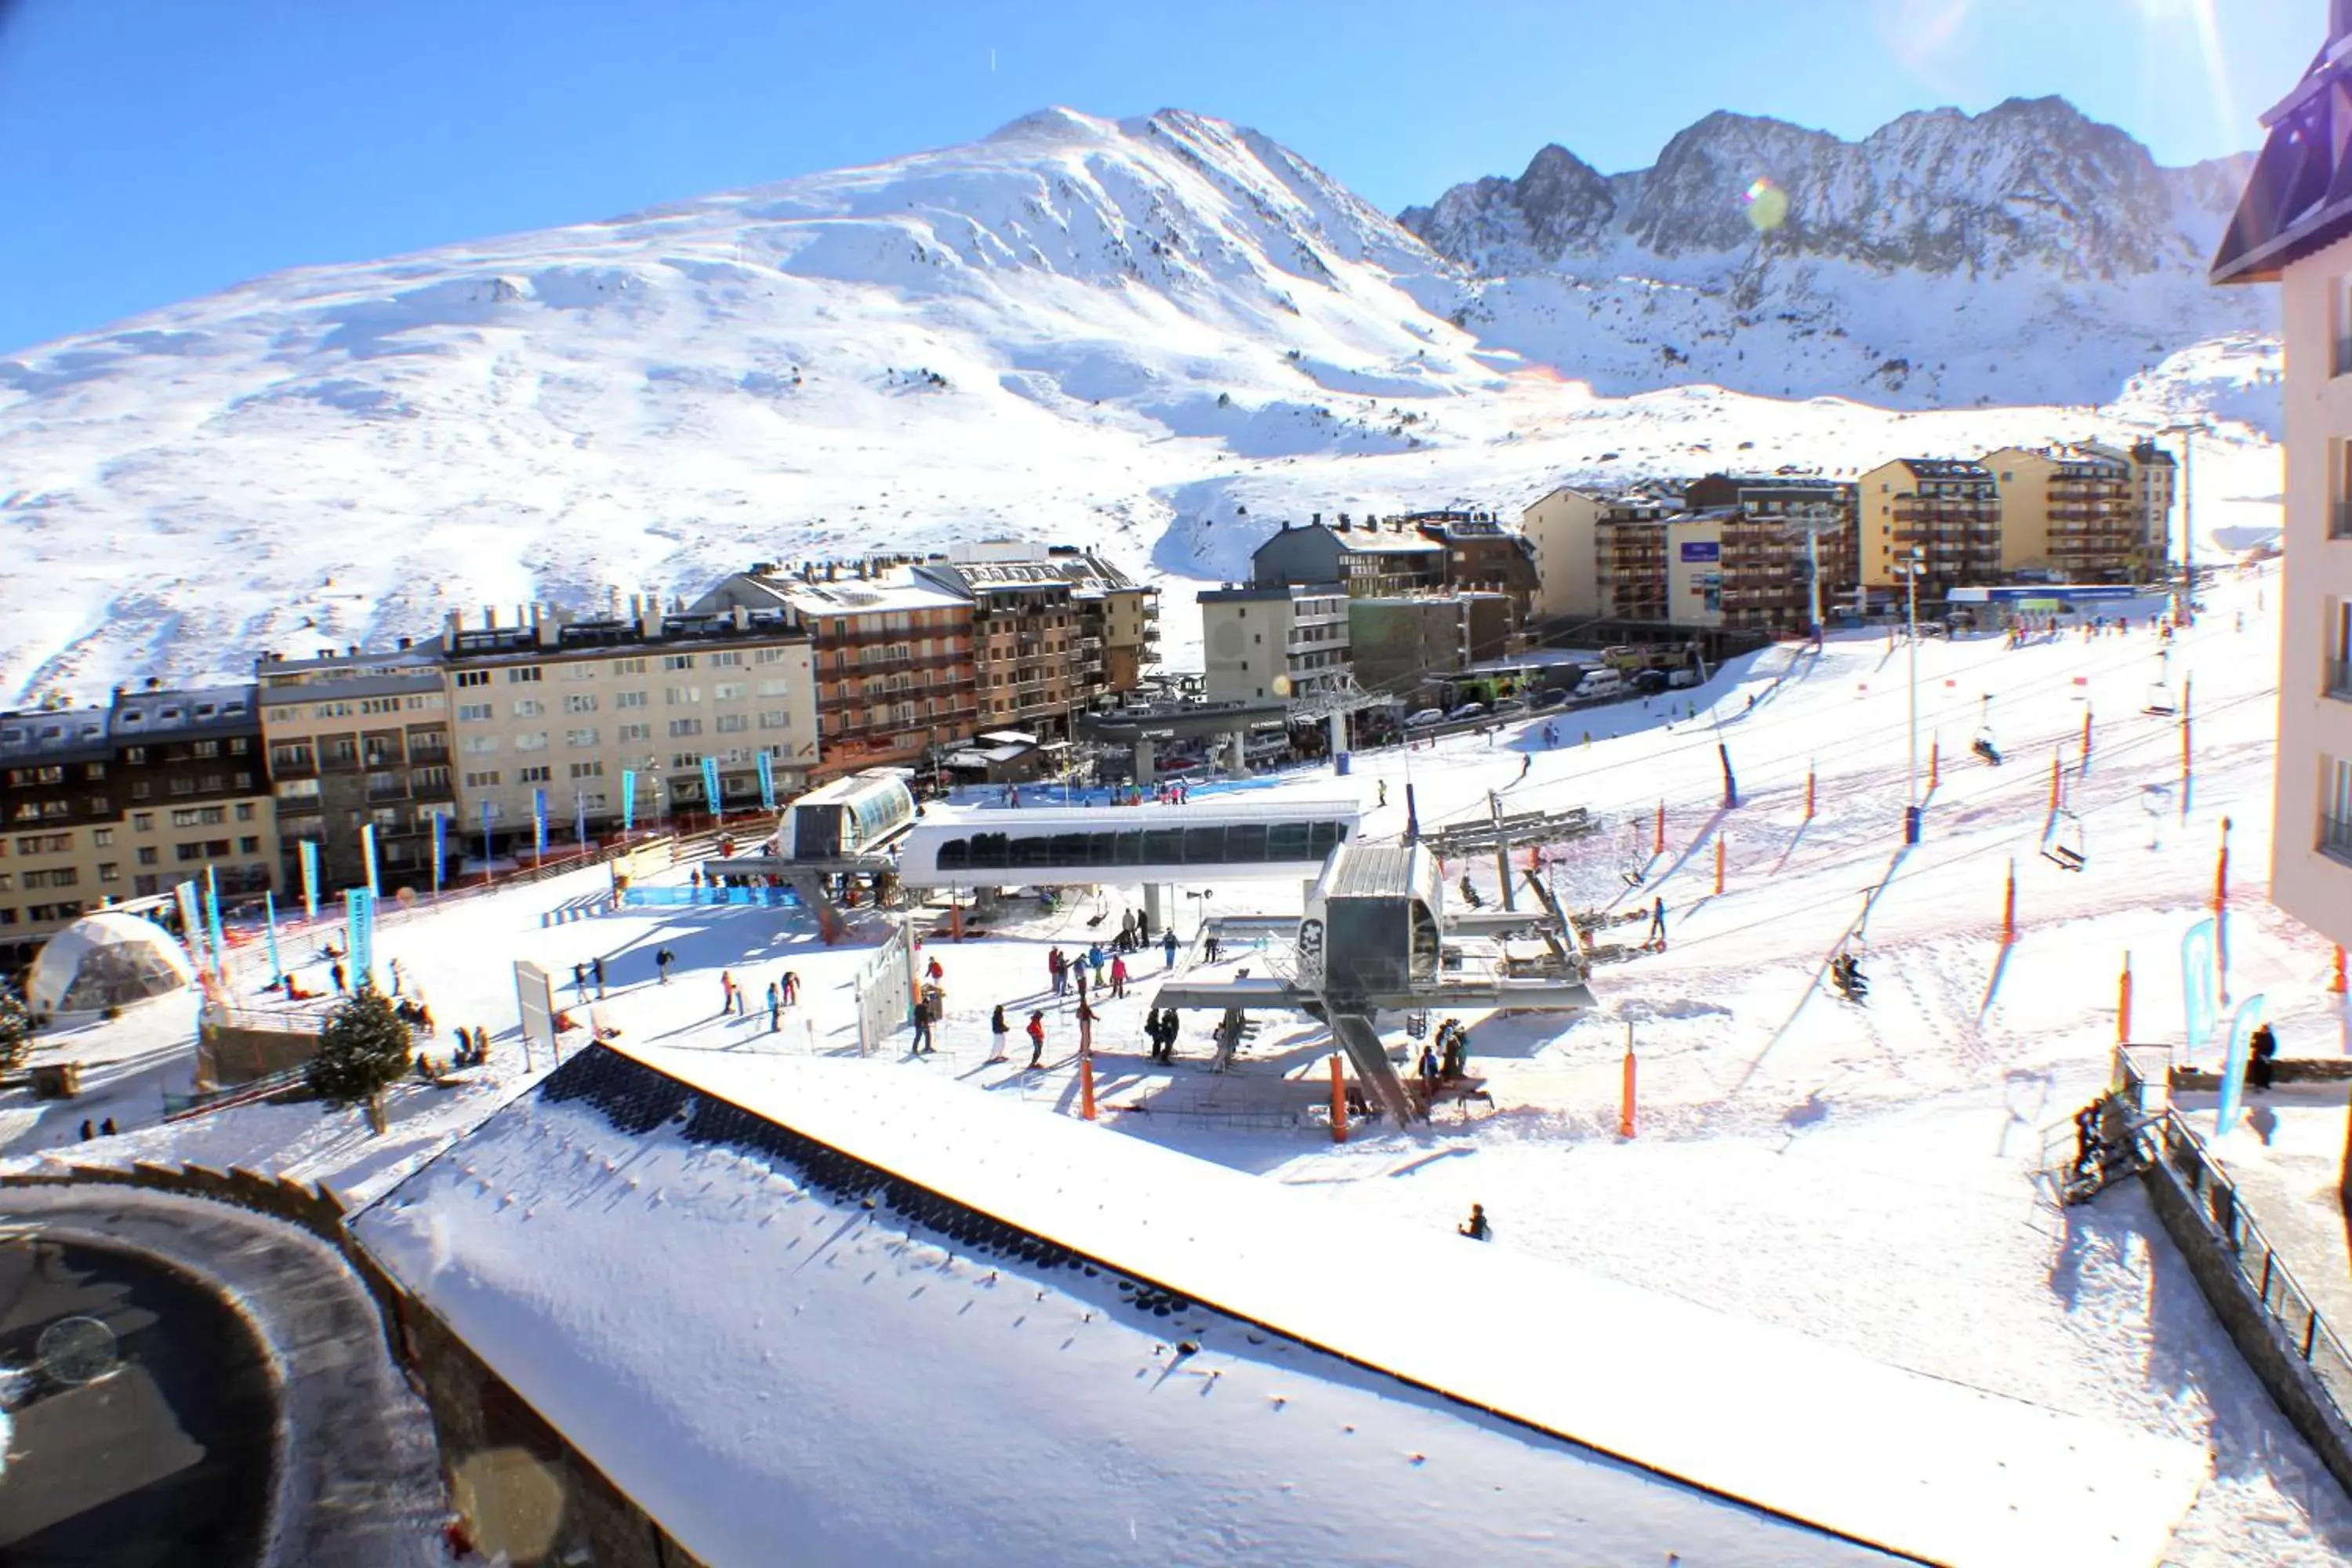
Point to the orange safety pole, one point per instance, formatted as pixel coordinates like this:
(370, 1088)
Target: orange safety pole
(1086, 1085)
(1338, 1100)
(1719, 862)
(2057, 761)
(955, 918)
(2221, 912)
(1625, 1104)
(2123, 1005)
(2009, 908)
(1809, 791)
(1661, 844)
(1934, 761)
(2086, 735)
(2335, 986)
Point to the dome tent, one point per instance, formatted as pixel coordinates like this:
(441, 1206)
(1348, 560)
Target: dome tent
(106, 959)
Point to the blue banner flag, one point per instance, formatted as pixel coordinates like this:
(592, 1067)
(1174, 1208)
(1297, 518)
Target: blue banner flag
(359, 918)
(711, 789)
(440, 848)
(367, 854)
(2200, 985)
(2243, 1024)
(539, 824)
(488, 855)
(629, 800)
(767, 783)
(269, 910)
(213, 922)
(309, 879)
(192, 926)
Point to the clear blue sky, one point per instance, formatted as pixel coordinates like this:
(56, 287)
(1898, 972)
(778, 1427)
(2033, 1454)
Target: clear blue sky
(154, 150)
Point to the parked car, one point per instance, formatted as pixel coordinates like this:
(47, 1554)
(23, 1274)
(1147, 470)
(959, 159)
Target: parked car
(1425, 719)
(1510, 707)
(1650, 682)
(1552, 697)
(1679, 679)
(1600, 683)
(1466, 712)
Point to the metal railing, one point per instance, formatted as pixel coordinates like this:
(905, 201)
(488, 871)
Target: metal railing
(2259, 1263)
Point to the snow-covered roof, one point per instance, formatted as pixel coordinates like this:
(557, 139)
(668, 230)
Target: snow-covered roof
(839, 1304)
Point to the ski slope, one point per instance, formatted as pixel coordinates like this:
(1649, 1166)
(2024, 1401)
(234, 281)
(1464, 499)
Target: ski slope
(1859, 1175)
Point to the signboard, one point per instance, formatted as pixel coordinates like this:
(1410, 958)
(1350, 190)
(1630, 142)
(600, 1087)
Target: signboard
(367, 853)
(2233, 1073)
(711, 789)
(535, 1005)
(1702, 549)
(2200, 985)
(309, 879)
(359, 916)
(629, 800)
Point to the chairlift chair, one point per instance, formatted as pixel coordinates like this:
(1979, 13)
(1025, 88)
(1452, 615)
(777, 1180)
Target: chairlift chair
(1984, 747)
(2160, 703)
(2063, 846)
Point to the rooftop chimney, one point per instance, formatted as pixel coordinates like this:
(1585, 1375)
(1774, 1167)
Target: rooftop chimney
(743, 618)
(649, 617)
(548, 624)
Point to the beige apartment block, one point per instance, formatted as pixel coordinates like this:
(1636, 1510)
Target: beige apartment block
(1274, 643)
(357, 739)
(1948, 509)
(2294, 227)
(1571, 532)
(560, 708)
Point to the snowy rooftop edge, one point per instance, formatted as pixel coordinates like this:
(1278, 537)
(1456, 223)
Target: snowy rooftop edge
(1801, 1429)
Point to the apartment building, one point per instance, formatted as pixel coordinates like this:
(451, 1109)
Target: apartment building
(1405, 648)
(1946, 509)
(2070, 512)
(56, 798)
(1776, 533)
(352, 739)
(1269, 644)
(564, 710)
(1482, 556)
(1630, 566)
(891, 657)
(1369, 559)
(2156, 485)
(2293, 227)
(101, 804)
(1055, 629)
(1572, 534)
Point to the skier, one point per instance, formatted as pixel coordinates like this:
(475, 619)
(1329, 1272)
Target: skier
(88, 1131)
(335, 972)
(1527, 761)
(1167, 946)
(1036, 1037)
(1469, 893)
(395, 977)
(2264, 1045)
(726, 994)
(1475, 1228)
(1208, 948)
(997, 1029)
(1056, 970)
(1086, 1030)
(580, 980)
(775, 1008)
(920, 1016)
(597, 973)
(791, 989)
(935, 973)
(106, 1128)
(1119, 978)
(1428, 1066)
(1384, 792)
(1658, 925)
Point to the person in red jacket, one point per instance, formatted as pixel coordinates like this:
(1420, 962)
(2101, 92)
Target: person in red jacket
(1036, 1037)
(1119, 978)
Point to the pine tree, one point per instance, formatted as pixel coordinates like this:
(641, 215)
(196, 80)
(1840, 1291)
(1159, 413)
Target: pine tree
(15, 1030)
(363, 1048)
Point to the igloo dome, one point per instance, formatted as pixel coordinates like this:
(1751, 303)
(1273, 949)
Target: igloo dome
(106, 960)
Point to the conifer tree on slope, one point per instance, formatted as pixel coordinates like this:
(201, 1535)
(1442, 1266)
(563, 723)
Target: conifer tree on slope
(364, 1048)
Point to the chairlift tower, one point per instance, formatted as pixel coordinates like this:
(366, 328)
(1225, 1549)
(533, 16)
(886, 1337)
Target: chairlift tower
(1911, 565)
(1813, 518)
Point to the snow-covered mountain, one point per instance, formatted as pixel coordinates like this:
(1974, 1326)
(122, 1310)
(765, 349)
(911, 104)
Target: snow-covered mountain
(2024, 254)
(1157, 335)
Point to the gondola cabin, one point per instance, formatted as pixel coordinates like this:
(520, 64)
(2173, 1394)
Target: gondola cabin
(847, 818)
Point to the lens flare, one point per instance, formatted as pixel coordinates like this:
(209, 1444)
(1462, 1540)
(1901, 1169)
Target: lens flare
(1766, 204)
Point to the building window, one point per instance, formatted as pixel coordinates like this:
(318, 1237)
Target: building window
(682, 696)
(473, 678)
(531, 776)
(577, 738)
(144, 821)
(728, 691)
(580, 702)
(677, 662)
(482, 781)
(587, 770)
(522, 675)
(680, 727)
(730, 658)
(529, 708)
(472, 712)
(101, 838)
(245, 811)
(145, 855)
(628, 667)
(478, 745)
(249, 844)
(628, 700)
(732, 723)
(2336, 806)
(534, 742)
(629, 733)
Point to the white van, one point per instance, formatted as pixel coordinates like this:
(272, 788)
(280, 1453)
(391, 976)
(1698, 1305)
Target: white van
(1601, 682)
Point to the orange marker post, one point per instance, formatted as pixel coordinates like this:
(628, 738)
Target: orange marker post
(2222, 913)
(1935, 761)
(1338, 1100)
(1809, 791)
(1661, 844)
(1719, 863)
(1086, 1085)
(2086, 737)
(1625, 1104)
(2336, 984)
(2057, 765)
(2122, 1004)
(2009, 908)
